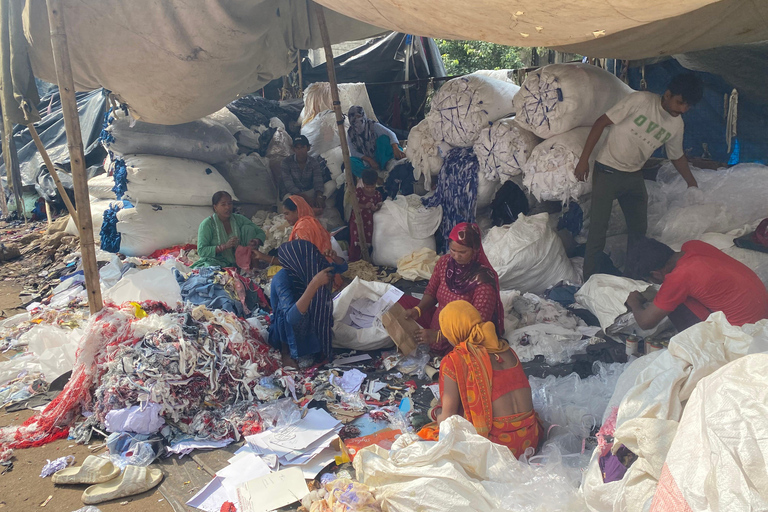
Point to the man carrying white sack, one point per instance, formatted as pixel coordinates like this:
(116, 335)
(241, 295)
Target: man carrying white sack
(640, 124)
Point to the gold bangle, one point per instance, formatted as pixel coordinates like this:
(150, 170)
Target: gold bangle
(417, 308)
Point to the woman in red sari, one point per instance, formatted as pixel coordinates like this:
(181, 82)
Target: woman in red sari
(463, 274)
(482, 380)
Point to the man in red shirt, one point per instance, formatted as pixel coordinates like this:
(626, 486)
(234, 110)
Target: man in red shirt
(695, 282)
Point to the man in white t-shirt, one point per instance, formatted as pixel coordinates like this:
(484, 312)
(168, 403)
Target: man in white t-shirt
(639, 124)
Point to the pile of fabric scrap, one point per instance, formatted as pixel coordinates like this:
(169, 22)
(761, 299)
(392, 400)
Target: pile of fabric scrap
(368, 272)
(277, 229)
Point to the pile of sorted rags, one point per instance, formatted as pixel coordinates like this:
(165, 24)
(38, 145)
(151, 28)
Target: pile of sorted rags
(205, 369)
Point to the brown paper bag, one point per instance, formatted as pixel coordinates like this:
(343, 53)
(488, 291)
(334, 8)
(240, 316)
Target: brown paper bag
(400, 328)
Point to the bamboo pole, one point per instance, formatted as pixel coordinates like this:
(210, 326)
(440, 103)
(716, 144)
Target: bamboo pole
(75, 146)
(350, 192)
(52, 170)
(11, 159)
(3, 203)
(301, 75)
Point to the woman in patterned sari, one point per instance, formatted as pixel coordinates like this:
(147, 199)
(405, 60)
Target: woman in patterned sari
(483, 380)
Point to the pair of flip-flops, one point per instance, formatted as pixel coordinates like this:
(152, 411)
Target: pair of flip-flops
(108, 483)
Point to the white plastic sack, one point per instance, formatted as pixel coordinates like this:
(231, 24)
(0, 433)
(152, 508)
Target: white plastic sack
(228, 120)
(528, 255)
(281, 145)
(323, 133)
(165, 180)
(604, 295)
(649, 412)
(402, 226)
(728, 199)
(504, 75)
(54, 347)
(462, 472)
(549, 171)
(560, 97)
(334, 159)
(503, 148)
(100, 187)
(317, 98)
(464, 106)
(423, 153)
(251, 179)
(712, 463)
(98, 206)
(155, 283)
(147, 228)
(346, 336)
(203, 140)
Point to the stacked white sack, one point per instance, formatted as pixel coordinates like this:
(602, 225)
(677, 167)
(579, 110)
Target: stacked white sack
(424, 153)
(464, 106)
(505, 75)
(503, 148)
(147, 228)
(549, 172)
(157, 179)
(204, 140)
(98, 206)
(560, 97)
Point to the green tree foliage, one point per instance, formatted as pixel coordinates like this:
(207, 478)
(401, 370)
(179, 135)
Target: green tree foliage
(462, 57)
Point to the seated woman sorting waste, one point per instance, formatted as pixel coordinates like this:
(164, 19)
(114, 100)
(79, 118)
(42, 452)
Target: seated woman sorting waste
(302, 307)
(463, 274)
(299, 214)
(225, 239)
(482, 380)
(371, 144)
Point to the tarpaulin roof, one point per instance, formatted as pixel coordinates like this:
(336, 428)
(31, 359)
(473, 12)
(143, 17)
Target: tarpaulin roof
(176, 61)
(626, 29)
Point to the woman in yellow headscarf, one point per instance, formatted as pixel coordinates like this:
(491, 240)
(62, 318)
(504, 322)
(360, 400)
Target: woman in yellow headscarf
(483, 380)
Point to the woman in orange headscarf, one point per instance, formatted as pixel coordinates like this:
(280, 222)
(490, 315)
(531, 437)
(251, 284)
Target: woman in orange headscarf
(483, 380)
(306, 227)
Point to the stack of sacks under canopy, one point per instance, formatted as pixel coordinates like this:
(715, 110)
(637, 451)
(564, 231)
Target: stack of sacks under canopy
(163, 179)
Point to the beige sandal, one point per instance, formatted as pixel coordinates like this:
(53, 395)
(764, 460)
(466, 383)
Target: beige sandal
(95, 470)
(134, 480)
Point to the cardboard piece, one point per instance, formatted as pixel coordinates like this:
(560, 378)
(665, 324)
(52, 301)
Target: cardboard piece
(272, 491)
(400, 328)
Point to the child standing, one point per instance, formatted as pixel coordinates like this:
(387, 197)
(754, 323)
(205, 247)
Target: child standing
(370, 201)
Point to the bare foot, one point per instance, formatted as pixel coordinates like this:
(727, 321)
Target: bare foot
(289, 361)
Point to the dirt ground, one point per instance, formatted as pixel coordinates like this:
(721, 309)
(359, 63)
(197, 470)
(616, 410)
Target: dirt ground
(22, 489)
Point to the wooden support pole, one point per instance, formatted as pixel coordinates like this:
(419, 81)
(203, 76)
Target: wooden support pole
(3, 203)
(11, 159)
(76, 156)
(54, 175)
(301, 75)
(350, 189)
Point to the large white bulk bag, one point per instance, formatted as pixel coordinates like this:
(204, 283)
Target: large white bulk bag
(147, 228)
(528, 255)
(549, 172)
(402, 226)
(334, 160)
(465, 105)
(346, 336)
(251, 179)
(98, 206)
(503, 148)
(317, 98)
(605, 296)
(166, 180)
(204, 139)
(101, 187)
(486, 191)
(560, 97)
(423, 152)
(323, 133)
(226, 118)
(712, 463)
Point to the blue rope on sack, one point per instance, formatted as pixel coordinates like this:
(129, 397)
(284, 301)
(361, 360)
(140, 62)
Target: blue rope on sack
(105, 137)
(110, 238)
(120, 173)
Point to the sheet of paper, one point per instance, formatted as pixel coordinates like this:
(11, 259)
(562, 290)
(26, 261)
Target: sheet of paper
(272, 491)
(435, 388)
(301, 457)
(247, 467)
(211, 497)
(393, 295)
(309, 429)
(318, 463)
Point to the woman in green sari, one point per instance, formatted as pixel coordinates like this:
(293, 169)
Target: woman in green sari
(222, 233)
